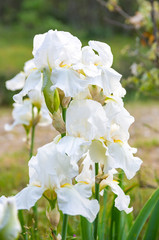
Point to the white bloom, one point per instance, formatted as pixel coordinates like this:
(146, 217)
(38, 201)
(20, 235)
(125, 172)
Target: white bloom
(86, 119)
(54, 48)
(87, 174)
(53, 169)
(18, 81)
(97, 69)
(115, 155)
(9, 223)
(22, 115)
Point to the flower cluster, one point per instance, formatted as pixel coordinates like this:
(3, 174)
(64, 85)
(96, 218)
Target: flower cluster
(83, 95)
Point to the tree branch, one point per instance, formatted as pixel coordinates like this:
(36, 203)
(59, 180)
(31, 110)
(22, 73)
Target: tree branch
(117, 9)
(118, 24)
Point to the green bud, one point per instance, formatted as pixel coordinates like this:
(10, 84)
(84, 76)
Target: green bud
(52, 98)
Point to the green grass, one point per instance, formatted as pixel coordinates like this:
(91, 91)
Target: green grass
(148, 144)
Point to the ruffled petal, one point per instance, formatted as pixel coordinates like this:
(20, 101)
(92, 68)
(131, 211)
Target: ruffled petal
(121, 156)
(69, 81)
(73, 146)
(86, 119)
(56, 47)
(74, 200)
(104, 51)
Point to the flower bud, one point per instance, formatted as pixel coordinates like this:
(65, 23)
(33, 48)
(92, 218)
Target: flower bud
(64, 100)
(52, 99)
(58, 122)
(54, 217)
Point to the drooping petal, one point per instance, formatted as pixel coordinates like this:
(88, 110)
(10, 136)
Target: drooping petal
(17, 82)
(27, 198)
(86, 119)
(122, 201)
(74, 200)
(121, 156)
(110, 82)
(33, 82)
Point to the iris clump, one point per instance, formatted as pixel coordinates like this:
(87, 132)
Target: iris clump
(76, 89)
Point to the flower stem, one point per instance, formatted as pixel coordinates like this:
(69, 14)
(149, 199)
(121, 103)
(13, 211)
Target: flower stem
(64, 114)
(32, 134)
(35, 210)
(64, 226)
(96, 197)
(21, 219)
(65, 216)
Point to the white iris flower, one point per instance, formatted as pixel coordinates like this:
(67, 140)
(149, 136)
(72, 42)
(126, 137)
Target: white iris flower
(53, 169)
(9, 223)
(22, 115)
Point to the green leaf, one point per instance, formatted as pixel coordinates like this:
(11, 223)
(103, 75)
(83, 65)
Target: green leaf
(102, 225)
(153, 225)
(142, 217)
(86, 229)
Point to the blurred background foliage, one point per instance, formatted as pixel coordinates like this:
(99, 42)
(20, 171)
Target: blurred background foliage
(129, 27)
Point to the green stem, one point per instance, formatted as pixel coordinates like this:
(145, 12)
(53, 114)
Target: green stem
(32, 134)
(64, 226)
(86, 229)
(96, 197)
(21, 219)
(65, 216)
(64, 113)
(35, 210)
